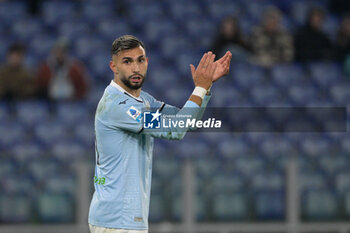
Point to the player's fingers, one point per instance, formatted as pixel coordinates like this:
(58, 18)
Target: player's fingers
(202, 61)
(208, 59)
(212, 64)
(193, 70)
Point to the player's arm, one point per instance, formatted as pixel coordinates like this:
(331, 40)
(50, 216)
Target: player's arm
(202, 77)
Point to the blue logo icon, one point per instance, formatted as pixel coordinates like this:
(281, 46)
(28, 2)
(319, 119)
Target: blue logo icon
(151, 120)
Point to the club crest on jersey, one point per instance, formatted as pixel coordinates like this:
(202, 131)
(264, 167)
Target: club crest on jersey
(134, 113)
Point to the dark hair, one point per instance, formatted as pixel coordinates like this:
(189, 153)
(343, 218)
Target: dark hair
(16, 48)
(125, 42)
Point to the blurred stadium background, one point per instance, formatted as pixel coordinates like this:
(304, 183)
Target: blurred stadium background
(208, 182)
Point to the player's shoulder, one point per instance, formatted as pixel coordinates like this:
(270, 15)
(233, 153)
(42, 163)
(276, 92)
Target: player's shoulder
(145, 95)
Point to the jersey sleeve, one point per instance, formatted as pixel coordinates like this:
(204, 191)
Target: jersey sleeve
(127, 117)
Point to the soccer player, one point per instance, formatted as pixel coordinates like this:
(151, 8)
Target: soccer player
(123, 149)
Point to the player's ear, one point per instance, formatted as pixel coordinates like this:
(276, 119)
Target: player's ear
(112, 66)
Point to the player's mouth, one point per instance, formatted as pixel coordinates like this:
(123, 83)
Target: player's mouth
(136, 78)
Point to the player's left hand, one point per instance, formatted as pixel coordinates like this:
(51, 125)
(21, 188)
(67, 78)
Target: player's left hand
(223, 66)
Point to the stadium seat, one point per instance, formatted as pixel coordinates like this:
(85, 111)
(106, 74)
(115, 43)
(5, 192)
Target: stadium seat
(42, 168)
(25, 28)
(93, 11)
(315, 146)
(4, 111)
(71, 113)
(342, 181)
(11, 11)
(231, 206)
(270, 205)
(319, 204)
(26, 151)
(325, 74)
(15, 132)
(286, 75)
(15, 208)
(221, 9)
(333, 163)
(248, 76)
(55, 208)
(233, 148)
(85, 133)
(157, 206)
(52, 16)
(72, 28)
(269, 181)
(68, 151)
(311, 180)
(111, 28)
(264, 94)
(41, 45)
(48, 133)
(340, 93)
(31, 113)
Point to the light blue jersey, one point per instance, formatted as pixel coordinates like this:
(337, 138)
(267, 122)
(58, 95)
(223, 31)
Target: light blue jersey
(124, 158)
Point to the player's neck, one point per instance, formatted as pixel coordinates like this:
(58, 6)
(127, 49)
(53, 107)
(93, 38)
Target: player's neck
(133, 92)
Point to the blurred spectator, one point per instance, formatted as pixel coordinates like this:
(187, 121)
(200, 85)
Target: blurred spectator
(62, 77)
(271, 44)
(16, 81)
(311, 43)
(343, 39)
(230, 38)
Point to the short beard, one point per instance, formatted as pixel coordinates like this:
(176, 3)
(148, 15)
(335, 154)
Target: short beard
(128, 83)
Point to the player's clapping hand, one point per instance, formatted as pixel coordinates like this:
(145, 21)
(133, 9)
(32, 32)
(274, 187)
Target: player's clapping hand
(223, 66)
(203, 76)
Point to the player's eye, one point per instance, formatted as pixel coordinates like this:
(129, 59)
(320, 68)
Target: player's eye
(126, 61)
(141, 60)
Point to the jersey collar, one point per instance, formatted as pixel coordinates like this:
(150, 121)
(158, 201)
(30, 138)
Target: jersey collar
(114, 84)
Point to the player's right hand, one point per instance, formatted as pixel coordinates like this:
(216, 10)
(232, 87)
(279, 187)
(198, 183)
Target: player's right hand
(203, 75)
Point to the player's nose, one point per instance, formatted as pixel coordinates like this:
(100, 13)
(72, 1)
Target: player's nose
(136, 68)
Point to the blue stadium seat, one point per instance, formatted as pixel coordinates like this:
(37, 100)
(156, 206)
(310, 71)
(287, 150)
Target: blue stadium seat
(15, 208)
(72, 28)
(342, 181)
(301, 93)
(22, 184)
(206, 167)
(55, 208)
(270, 205)
(71, 113)
(50, 132)
(62, 183)
(85, 46)
(333, 163)
(111, 28)
(264, 94)
(41, 45)
(42, 168)
(201, 30)
(52, 16)
(93, 11)
(30, 113)
(325, 74)
(268, 181)
(319, 204)
(311, 180)
(220, 9)
(171, 46)
(7, 167)
(233, 148)
(286, 75)
(340, 92)
(84, 132)
(15, 133)
(154, 29)
(99, 66)
(181, 12)
(4, 111)
(231, 206)
(26, 151)
(11, 11)
(142, 11)
(226, 182)
(68, 151)
(249, 165)
(26, 28)
(315, 146)
(276, 147)
(166, 167)
(247, 76)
